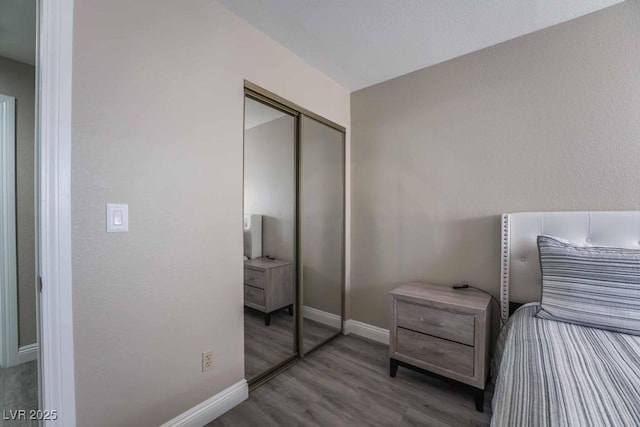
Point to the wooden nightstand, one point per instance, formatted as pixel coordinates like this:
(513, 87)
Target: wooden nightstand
(268, 286)
(442, 331)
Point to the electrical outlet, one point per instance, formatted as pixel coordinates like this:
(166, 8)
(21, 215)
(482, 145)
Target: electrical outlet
(207, 360)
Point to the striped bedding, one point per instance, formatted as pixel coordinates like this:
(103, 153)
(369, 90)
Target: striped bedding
(559, 374)
(590, 286)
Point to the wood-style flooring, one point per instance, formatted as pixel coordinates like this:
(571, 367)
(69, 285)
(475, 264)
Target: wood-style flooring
(267, 346)
(347, 383)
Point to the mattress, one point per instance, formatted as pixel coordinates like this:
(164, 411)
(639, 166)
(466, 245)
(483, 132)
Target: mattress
(559, 374)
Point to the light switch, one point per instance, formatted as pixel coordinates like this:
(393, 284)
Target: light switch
(117, 218)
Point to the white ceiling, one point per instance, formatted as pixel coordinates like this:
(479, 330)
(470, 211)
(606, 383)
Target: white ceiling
(359, 43)
(18, 30)
(256, 113)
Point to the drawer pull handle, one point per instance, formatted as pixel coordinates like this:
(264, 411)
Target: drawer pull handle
(434, 352)
(438, 324)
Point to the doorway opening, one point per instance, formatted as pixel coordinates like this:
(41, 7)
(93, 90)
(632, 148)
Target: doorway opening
(19, 377)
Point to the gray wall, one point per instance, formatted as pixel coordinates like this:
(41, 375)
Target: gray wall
(18, 80)
(158, 124)
(269, 188)
(548, 121)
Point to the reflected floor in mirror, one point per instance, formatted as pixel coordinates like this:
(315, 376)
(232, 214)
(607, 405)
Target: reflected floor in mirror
(19, 390)
(266, 346)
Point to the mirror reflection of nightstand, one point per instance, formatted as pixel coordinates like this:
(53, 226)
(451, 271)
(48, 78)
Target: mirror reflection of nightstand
(268, 286)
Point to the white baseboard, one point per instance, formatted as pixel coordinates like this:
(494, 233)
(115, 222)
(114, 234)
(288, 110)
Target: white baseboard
(350, 326)
(212, 408)
(28, 353)
(329, 319)
(365, 330)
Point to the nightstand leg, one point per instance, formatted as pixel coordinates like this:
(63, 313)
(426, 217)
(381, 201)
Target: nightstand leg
(267, 319)
(393, 367)
(478, 397)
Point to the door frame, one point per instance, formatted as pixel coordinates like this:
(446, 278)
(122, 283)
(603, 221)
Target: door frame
(54, 95)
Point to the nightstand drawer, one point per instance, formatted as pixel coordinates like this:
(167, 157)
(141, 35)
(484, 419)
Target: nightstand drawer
(435, 351)
(253, 296)
(439, 323)
(254, 278)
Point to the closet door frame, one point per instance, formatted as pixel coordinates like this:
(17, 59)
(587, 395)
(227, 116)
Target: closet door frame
(264, 96)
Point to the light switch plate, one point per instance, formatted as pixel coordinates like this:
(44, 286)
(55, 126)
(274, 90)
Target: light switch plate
(117, 218)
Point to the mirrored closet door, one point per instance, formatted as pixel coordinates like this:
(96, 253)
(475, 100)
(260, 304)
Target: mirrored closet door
(321, 231)
(269, 237)
(293, 233)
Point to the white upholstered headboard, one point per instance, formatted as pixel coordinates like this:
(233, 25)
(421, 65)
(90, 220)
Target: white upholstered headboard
(252, 236)
(520, 278)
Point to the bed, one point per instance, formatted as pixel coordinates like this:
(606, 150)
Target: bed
(554, 373)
